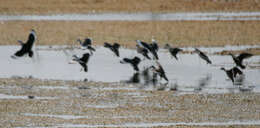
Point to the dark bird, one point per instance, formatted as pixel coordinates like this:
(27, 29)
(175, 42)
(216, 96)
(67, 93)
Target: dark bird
(203, 56)
(82, 61)
(134, 62)
(26, 47)
(150, 47)
(239, 59)
(232, 73)
(173, 51)
(114, 48)
(87, 44)
(160, 71)
(143, 51)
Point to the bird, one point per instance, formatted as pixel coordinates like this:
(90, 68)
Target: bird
(134, 62)
(82, 61)
(143, 51)
(203, 56)
(26, 47)
(173, 51)
(153, 48)
(114, 48)
(239, 59)
(160, 71)
(232, 73)
(87, 44)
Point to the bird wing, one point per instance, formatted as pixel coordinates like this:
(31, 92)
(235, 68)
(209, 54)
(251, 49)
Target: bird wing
(230, 75)
(21, 52)
(30, 41)
(237, 71)
(244, 56)
(116, 50)
(107, 45)
(85, 58)
(205, 57)
(91, 48)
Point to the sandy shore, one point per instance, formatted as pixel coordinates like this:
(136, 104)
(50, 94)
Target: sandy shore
(56, 103)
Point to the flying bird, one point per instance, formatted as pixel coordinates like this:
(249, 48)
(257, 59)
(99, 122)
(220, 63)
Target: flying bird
(152, 48)
(232, 73)
(159, 70)
(82, 61)
(142, 51)
(114, 48)
(203, 56)
(239, 59)
(134, 62)
(173, 51)
(26, 47)
(87, 44)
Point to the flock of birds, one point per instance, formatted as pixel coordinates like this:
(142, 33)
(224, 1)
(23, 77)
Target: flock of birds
(143, 48)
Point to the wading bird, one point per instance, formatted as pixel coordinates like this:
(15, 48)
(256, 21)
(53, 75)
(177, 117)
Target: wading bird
(114, 48)
(134, 62)
(26, 47)
(153, 48)
(239, 59)
(203, 56)
(232, 73)
(82, 61)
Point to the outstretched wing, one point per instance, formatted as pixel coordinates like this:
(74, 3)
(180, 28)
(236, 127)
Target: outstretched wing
(30, 41)
(107, 45)
(205, 57)
(21, 52)
(244, 56)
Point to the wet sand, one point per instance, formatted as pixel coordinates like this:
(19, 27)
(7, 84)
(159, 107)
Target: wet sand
(122, 105)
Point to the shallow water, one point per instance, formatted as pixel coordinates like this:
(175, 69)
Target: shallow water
(138, 16)
(187, 74)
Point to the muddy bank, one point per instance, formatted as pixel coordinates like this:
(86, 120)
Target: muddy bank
(98, 105)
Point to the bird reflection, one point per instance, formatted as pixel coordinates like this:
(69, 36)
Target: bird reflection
(203, 82)
(134, 79)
